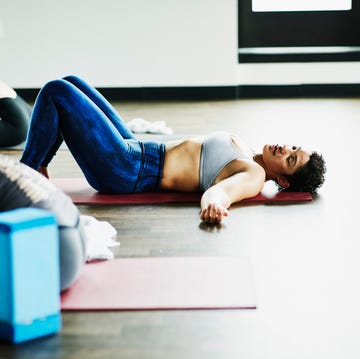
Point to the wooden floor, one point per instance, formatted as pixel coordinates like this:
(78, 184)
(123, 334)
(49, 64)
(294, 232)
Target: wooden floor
(305, 258)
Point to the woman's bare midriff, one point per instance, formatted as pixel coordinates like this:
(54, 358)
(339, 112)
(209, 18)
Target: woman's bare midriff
(181, 165)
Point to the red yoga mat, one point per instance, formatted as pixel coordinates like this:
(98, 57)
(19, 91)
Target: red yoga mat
(81, 193)
(163, 283)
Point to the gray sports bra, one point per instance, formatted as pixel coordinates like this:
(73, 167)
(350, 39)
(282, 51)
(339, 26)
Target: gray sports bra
(217, 151)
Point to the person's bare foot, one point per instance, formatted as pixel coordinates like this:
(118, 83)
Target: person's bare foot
(44, 171)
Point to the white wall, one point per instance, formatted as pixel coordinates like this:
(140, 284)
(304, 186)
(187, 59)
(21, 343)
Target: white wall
(119, 42)
(135, 43)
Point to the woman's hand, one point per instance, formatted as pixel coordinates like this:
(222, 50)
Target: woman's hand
(244, 184)
(213, 213)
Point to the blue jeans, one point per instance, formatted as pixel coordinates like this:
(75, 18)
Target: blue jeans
(111, 158)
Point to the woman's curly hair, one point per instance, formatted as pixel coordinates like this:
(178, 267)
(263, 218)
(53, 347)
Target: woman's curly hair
(309, 177)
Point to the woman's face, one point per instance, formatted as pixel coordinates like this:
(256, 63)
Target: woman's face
(284, 159)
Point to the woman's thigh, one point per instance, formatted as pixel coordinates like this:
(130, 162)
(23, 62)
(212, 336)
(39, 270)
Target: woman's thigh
(101, 152)
(103, 104)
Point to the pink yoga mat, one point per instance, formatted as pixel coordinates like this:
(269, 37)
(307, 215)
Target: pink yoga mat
(81, 193)
(163, 283)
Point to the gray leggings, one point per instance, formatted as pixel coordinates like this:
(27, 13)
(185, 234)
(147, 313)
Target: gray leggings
(72, 240)
(72, 254)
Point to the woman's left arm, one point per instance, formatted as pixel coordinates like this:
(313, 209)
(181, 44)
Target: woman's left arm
(217, 199)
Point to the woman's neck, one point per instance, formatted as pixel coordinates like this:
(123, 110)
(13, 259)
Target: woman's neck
(258, 158)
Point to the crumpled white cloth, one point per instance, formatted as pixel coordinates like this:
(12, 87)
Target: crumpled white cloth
(139, 125)
(100, 235)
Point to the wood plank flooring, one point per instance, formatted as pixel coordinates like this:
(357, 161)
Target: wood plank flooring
(305, 257)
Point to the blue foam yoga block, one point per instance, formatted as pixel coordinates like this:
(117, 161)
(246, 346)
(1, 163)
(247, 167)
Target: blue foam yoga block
(29, 275)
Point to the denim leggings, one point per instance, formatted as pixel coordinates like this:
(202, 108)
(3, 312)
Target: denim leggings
(111, 158)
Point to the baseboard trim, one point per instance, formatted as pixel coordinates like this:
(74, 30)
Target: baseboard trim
(218, 92)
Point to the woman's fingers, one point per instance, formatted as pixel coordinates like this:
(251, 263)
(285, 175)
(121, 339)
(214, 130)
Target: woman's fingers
(213, 213)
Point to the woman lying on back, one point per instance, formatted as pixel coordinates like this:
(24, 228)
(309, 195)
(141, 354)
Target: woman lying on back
(221, 165)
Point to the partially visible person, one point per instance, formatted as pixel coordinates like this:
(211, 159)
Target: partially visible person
(21, 187)
(15, 115)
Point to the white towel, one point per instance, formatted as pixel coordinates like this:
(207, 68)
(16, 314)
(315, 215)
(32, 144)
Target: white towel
(139, 125)
(100, 235)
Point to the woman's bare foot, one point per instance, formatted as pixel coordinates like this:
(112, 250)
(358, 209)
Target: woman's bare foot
(44, 171)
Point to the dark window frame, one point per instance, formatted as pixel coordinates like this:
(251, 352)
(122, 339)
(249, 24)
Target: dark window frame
(336, 32)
